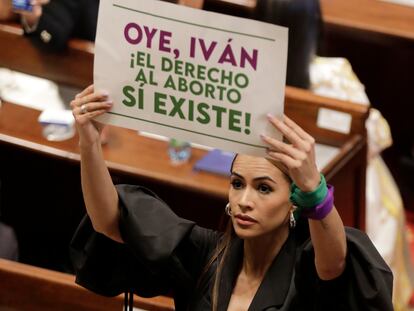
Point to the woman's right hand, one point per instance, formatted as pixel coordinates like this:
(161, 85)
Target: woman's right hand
(85, 107)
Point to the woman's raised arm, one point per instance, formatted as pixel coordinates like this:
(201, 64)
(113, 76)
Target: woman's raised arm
(298, 156)
(100, 196)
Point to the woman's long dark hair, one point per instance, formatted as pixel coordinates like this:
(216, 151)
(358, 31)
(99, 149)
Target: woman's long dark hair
(219, 255)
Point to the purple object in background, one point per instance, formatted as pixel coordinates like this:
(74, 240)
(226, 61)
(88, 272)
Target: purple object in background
(216, 161)
(22, 5)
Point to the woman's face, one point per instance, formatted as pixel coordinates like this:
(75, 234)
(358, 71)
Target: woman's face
(258, 196)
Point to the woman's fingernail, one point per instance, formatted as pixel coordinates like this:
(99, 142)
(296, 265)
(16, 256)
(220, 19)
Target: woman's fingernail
(264, 137)
(269, 116)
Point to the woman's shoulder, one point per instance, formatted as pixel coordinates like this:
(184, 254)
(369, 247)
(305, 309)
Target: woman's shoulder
(147, 223)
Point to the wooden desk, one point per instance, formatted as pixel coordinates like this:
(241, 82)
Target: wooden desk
(375, 16)
(43, 64)
(28, 288)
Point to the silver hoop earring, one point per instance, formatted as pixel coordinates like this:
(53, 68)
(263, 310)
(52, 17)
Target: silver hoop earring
(227, 209)
(292, 220)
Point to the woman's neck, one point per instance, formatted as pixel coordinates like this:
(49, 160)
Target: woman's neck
(260, 252)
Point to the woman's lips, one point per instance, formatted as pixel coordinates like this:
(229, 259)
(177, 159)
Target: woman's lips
(245, 220)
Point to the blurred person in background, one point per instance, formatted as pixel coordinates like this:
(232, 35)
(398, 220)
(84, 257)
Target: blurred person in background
(50, 24)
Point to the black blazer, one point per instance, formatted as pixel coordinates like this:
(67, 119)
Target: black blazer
(64, 19)
(167, 254)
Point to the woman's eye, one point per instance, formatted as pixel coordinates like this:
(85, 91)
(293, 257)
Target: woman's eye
(263, 188)
(237, 184)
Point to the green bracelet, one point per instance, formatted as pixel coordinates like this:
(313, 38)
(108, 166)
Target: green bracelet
(308, 199)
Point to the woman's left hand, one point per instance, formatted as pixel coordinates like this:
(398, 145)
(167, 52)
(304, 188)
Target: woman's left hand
(298, 156)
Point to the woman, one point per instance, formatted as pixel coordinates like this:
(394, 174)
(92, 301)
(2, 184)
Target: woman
(132, 241)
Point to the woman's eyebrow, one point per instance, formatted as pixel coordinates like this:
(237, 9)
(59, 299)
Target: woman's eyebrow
(237, 175)
(265, 178)
(256, 178)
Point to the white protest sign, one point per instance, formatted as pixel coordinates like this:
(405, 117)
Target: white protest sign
(197, 76)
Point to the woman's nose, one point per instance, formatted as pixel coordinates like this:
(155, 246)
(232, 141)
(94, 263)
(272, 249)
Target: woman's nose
(246, 199)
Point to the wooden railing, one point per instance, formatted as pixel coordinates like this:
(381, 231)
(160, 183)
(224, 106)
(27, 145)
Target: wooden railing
(28, 288)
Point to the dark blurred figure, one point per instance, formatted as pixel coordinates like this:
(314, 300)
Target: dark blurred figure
(65, 19)
(303, 18)
(8, 241)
